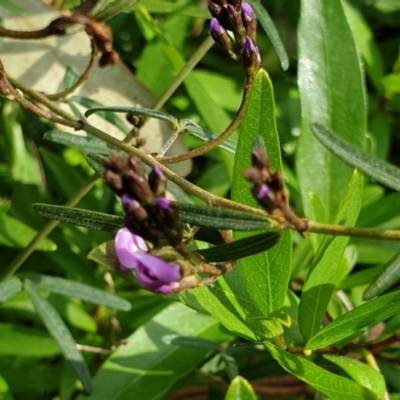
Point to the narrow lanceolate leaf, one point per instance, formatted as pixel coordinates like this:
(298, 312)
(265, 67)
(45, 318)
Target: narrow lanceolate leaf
(220, 218)
(56, 327)
(331, 93)
(265, 275)
(362, 373)
(207, 136)
(80, 291)
(385, 280)
(368, 314)
(240, 389)
(134, 111)
(241, 248)
(335, 387)
(271, 31)
(105, 9)
(148, 368)
(376, 169)
(321, 281)
(9, 288)
(87, 219)
(196, 215)
(89, 144)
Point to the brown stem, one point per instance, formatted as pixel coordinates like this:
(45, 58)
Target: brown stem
(217, 141)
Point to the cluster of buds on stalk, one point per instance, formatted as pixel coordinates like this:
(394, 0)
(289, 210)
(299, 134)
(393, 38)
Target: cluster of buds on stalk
(269, 190)
(150, 217)
(239, 19)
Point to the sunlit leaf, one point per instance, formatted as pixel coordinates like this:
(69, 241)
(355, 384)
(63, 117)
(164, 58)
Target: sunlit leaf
(376, 169)
(334, 386)
(9, 288)
(240, 389)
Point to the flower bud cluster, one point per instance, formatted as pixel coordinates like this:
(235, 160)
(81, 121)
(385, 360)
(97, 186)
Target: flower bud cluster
(269, 191)
(148, 213)
(240, 19)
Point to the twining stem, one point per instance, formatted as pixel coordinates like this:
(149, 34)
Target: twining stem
(11, 268)
(218, 140)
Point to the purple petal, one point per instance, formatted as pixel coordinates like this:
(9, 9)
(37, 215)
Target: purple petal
(128, 246)
(163, 203)
(129, 201)
(158, 171)
(155, 269)
(249, 45)
(215, 27)
(247, 11)
(263, 192)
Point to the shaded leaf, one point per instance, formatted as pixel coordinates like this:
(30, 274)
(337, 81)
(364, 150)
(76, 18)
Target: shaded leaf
(105, 9)
(325, 270)
(240, 389)
(94, 161)
(334, 386)
(385, 280)
(367, 314)
(194, 342)
(265, 275)
(376, 169)
(56, 327)
(9, 288)
(147, 366)
(362, 373)
(79, 290)
(5, 392)
(241, 248)
(70, 78)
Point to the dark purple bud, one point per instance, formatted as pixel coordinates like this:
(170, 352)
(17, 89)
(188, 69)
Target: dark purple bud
(138, 187)
(233, 19)
(215, 27)
(220, 36)
(114, 181)
(251, 59)
(216, 10)
(136, 165)
(236, 4)
(247, 12)
(157, 275)
(157, 181)
(163, 203)
(127, 245)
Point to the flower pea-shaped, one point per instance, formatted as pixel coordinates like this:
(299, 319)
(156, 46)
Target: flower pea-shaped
(153, 273)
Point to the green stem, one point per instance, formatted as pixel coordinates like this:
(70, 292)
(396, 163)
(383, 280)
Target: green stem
(11, 268)
(366, 233)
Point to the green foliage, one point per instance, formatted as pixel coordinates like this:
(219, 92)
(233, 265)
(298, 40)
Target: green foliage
(323, 308)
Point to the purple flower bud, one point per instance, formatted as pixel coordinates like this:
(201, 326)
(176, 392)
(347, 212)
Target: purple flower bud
(129, 202)
(247, 12)
(157, 181)
(263, 192)
(157, 275)
(215, 27)
(251, 59)
(127, 246)
(163, 203)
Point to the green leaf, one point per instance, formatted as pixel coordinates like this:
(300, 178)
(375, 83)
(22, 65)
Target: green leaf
(94, 161)
(9, 288)
(197, 215)
(376, 169)
(207, 136)
(15, 234)
(266, 275)
(5, 392)
(56, 327)
(70, 78)
(241, 248)
(148, 367)
(331, 93)
(335, 387)
(367, 314)
(87, 219)
(134, 111)
(272, 33)
(325, 270)
(8, 5)
(385, 280)
(20, 341)
(240, 389)
(79, 290)
(193, 342)
(89, 144)
(110, 117)
(362, 373)
(105, 9)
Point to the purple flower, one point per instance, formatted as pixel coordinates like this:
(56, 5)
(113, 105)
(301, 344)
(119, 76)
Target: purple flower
(153, 273)
(263, 192)
(163, 203)
(247, 12)
(128, 246)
